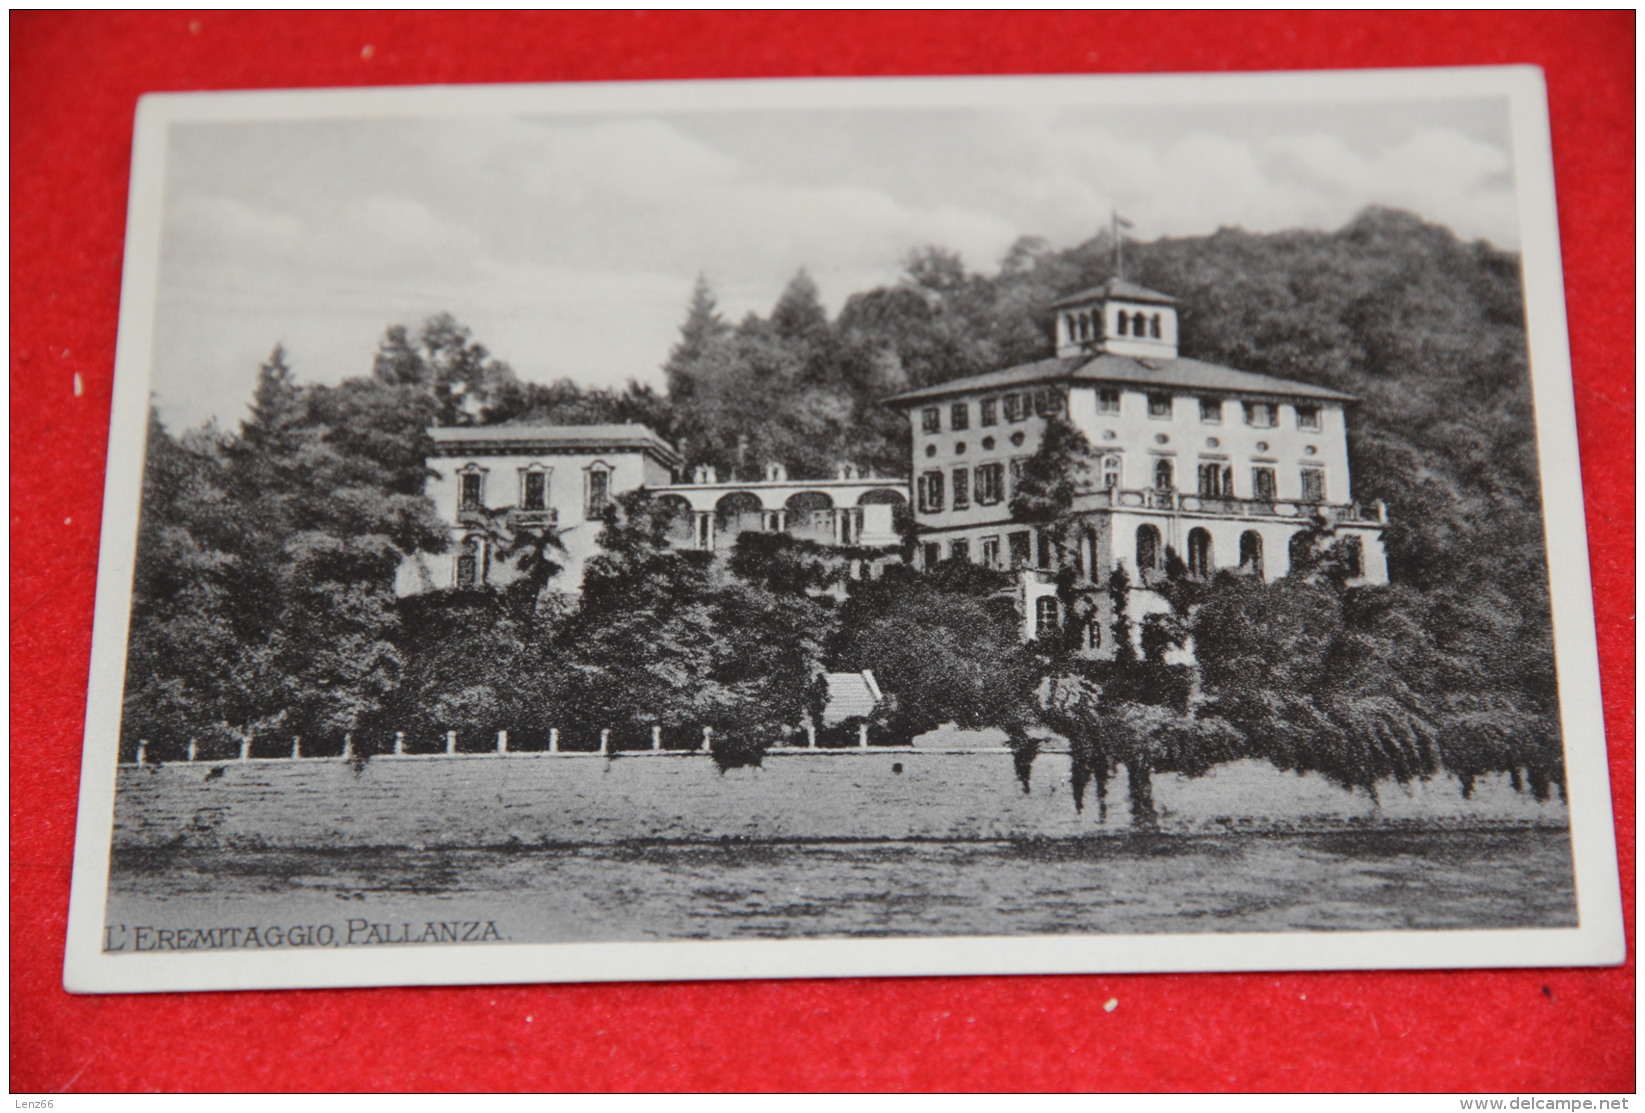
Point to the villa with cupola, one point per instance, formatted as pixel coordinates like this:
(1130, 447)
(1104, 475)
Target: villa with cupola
(1223, 467)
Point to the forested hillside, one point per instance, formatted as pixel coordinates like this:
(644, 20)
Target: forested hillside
(264, 596)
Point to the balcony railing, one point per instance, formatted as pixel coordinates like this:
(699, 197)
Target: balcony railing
(1182, 502)
(527, 519)
(513, 517)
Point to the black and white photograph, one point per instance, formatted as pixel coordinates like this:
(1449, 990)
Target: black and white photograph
(796, 528)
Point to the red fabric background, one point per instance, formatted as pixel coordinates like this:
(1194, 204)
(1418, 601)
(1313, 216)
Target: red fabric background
(74, 83)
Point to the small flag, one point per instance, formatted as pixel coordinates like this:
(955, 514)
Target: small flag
(1121, 222)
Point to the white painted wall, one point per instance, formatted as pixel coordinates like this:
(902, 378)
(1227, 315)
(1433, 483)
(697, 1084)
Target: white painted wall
(502, 487)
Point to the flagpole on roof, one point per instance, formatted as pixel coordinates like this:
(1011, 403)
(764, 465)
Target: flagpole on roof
(1116, 222)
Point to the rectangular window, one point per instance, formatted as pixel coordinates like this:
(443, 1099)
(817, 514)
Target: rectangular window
(1210, 411)
(1045, 616)
(959, 415)
(1159, 405)
(1216, 480)
(931, 420)
(599, 492)
(1308, 417)
(1260, 414)
(931, 492)
(1108, 401)
(933, 554)
(990, 484)
(1017, 466)
(1313, 485)
(1047, 402)
(1111, 468)
(959, 550)
(990, 411)
(991, 552)
(534, 493)
(1013, 407)
(468, 491)
(1262, 484)
(962, 488)
(1022, 543)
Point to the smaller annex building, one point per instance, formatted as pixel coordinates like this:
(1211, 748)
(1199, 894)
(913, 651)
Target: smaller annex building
(491, 480)
(1223, 467)
(562, 476)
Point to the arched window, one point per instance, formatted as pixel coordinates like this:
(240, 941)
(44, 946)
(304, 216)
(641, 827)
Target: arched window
(534, 487)
(1088, 556)
(471, 487)
(1153, 326)
(1110, 472)
(469, 569)
(1353, 553)
(1301, 552)
(1199, 552)
(1165, 478)
(1250, 552)
(1148, 548)
(1073, 323)
(1045, 616)
(1125, 322)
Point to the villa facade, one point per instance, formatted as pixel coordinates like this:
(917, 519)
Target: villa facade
(1222, 467)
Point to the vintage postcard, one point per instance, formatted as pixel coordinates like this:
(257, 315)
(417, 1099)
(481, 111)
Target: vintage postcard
(806, 528)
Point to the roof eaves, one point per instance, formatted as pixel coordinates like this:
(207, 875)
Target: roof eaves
(1022, 374)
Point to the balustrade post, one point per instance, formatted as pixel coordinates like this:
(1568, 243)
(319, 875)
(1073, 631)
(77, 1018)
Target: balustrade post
(605, 740)
(399, 743)
(348, 744)
(142, 751)
(553, 740)
(811, 736)
(862, 736)
(193, 749)
(296, 745)
(451, 741)
(245, 748)
(502, 741)
(708, 739)
(656, 738)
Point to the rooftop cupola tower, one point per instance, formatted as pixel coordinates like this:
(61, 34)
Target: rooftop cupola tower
(1118, 317)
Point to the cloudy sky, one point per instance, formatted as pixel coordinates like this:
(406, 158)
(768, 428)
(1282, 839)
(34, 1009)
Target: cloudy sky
(569, 244)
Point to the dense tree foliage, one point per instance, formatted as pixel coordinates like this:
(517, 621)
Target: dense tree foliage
(662, 639)
(947, 644)
(265, 598)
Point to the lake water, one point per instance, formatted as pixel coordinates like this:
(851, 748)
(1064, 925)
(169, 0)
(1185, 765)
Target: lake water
(1377, 880)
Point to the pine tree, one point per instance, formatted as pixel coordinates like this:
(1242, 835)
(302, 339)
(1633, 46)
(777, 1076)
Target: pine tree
(272, 429)
(702, 329)
(799, 316)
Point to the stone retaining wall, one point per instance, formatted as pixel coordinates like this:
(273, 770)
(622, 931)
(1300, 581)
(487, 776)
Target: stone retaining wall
(544, 799)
